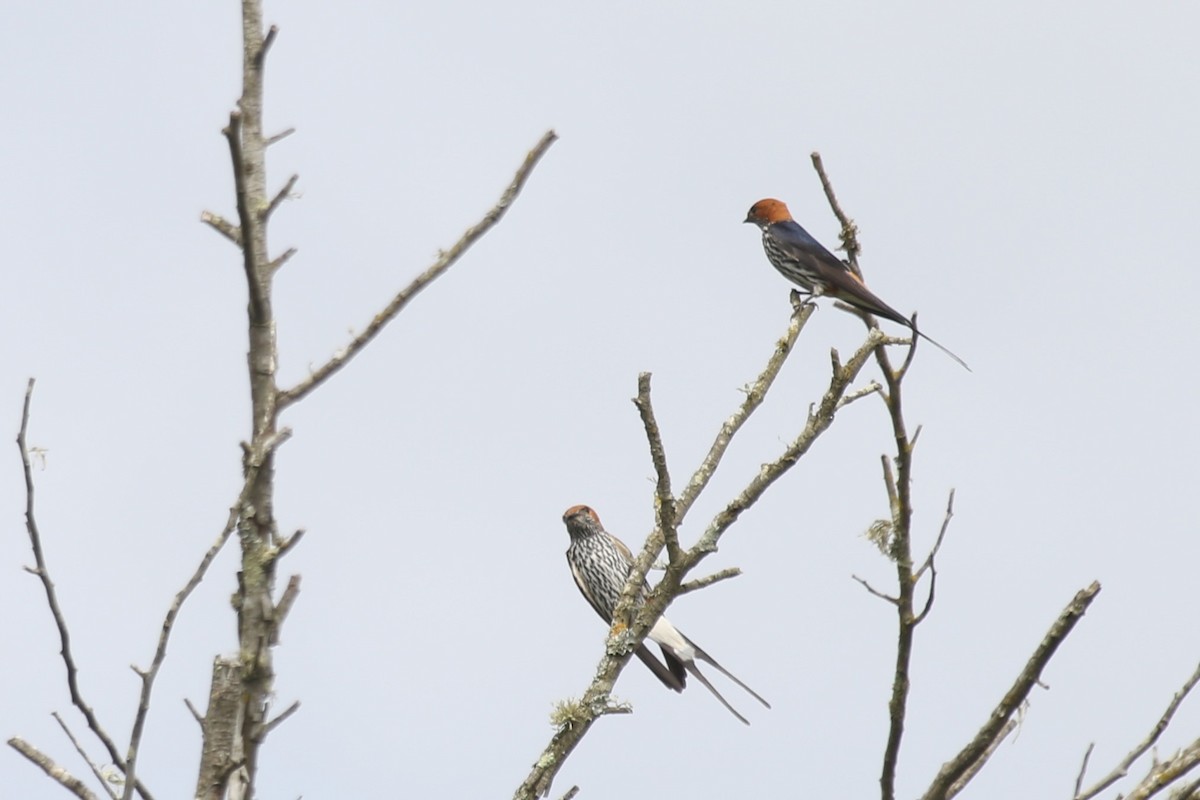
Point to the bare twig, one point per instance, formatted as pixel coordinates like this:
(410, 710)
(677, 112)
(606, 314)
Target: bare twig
(52, 769)
(280, 196)
(261, 57)
(279, 720)
(42, 571)
(196, 715)
(286, 545)
(664, 501)
(444, 261)
(286, 600)
(929, 565)
(977, 749)
(973, 770)
(83, 754)
(257, 455)
(899, 491)
(1122, 768)
(233, 135)
(937, 545)
(279, 137)
(709, 580)
(871, 388)
(1164, 774)
(849, 233)
(222, 226)
(277, 263)
(755, 394)
(919, 618)
(875, 592)
(819, 419)
(1087, 755)
(574, 790)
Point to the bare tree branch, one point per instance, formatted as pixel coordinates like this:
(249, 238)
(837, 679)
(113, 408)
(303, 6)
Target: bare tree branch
(249, 220)
(1188, 792)
(1122, 768)
(257, 455)
(978, 748)
(83, 754)
(279, 137)
(755, 394)
(973, 770)
(929, 565)
(1163, 775)
(819, 420)
(871, 388)
(280, 196)
(42, 571)
(284, 606)
(664, 501)
(1087, 755)
(52, 769)
(222, 226)
(849, 233)
(937, 545)
(277, 263)
(875, 592)
(899, 491)
(709, 580)
(279, 720)
(444, 261)
(285, 546)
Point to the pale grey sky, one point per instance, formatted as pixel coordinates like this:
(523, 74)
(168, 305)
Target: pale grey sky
(1024, 176)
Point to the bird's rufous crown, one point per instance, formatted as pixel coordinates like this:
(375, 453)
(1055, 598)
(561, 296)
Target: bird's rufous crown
(585, 511)
(765, 212)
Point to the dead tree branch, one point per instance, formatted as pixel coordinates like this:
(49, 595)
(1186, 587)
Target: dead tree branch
(445, 260)
(978, 749)
(708, 580)
(664, 501)
(42, 571)
(1122, 767)
(755, 394)
(47, 765)
(92, 765)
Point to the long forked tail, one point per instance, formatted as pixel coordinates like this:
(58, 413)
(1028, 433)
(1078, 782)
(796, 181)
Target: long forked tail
(941, 347)
(698, 675)
(706, 658)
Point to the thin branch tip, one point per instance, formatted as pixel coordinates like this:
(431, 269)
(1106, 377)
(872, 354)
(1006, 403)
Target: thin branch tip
(443, 262)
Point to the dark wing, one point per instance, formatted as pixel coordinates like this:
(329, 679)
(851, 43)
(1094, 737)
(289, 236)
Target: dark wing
(672, 678)
(796, 243)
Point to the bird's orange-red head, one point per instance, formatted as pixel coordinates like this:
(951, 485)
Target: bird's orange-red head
(765, 212)
(581, 511)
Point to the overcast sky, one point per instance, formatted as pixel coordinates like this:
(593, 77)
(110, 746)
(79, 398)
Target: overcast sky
(1025, 176)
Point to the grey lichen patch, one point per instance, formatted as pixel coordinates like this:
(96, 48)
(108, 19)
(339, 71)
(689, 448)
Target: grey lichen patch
(880, 534)
(567, 713)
